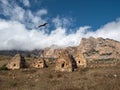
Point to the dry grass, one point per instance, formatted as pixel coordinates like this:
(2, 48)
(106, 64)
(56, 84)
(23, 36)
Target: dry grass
(105, 78)
(4, 60)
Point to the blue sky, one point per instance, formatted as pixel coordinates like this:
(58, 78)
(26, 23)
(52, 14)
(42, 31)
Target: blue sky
(68, 22)
(85, 12)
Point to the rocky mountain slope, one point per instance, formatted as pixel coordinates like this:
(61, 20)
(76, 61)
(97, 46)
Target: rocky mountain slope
(99, 48)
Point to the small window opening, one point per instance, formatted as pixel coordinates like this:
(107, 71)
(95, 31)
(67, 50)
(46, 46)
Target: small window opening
(38, 65)
(78, 61)
(14, 65)
(40, 62)
(62, 65)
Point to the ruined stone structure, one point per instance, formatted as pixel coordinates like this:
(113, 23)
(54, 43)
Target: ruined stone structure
(65, 62)
(39, 63)
(16, 62)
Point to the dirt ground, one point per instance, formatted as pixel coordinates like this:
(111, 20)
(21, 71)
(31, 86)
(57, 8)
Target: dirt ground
(102, 78)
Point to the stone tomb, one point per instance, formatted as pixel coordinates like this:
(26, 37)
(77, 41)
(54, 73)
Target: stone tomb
(65, 62)
(39, 63)
(16, 62)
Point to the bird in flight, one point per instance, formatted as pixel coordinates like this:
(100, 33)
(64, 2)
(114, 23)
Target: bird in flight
(42, 25)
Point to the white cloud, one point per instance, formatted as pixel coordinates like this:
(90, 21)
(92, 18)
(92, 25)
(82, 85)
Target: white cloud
(5, 2)
(12, 10)
(109, 30)
(25, 2)
(42, 12)
(14, 33)
(61, 22)
(16, 13)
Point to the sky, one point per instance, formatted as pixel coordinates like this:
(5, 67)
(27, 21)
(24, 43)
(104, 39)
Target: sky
(68, 22)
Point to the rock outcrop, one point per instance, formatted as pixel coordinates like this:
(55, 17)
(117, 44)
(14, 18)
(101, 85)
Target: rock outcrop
(39, 63)
(54, 51)
(65, 62)
(51, 52)
(99, 49)
(16, 62)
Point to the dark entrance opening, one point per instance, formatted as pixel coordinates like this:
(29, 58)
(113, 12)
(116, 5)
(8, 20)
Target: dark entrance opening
(14, 65)
(63, 64)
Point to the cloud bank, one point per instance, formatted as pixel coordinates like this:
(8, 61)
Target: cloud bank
(19, 31)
